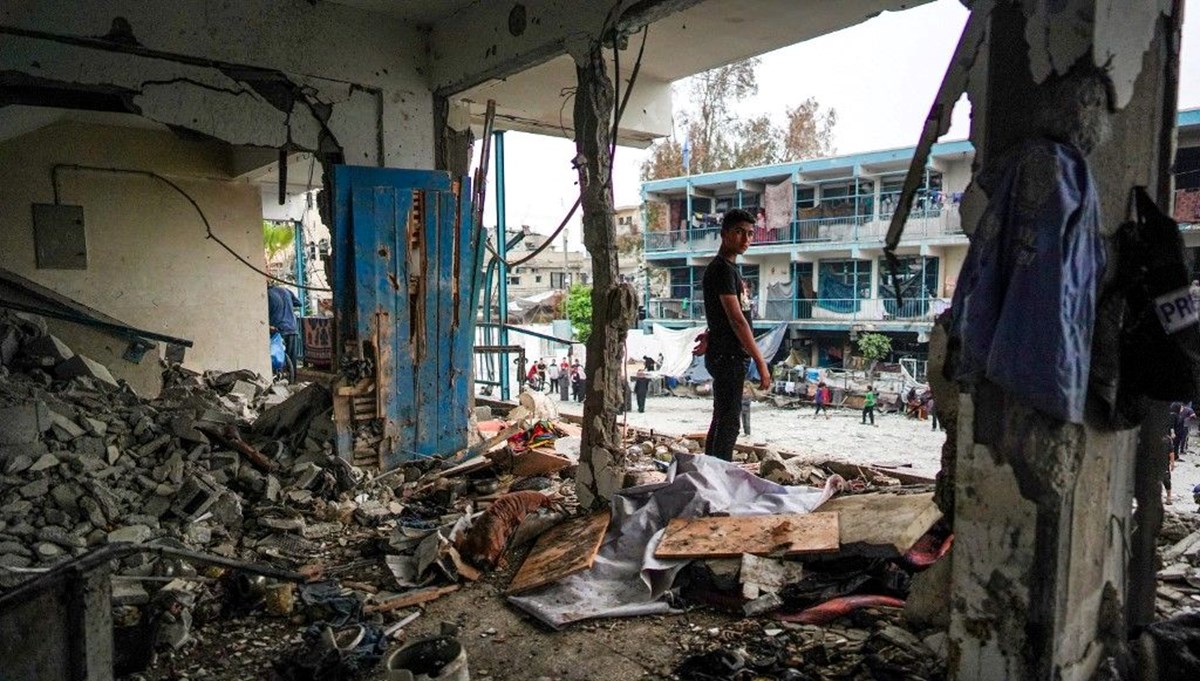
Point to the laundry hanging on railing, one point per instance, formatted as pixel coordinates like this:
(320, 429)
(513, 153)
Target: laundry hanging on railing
(836, 295)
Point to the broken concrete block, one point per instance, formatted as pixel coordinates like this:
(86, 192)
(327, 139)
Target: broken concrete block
(36, 489)
(16, 463)
(47, 351)
(23, 423)
(80, 365)
(247, 391)
(64, 428)
(95, 426)
(44, 461)
(134, 534)
(129, 592)
(49, 551)
(194, 497)
(59, 535)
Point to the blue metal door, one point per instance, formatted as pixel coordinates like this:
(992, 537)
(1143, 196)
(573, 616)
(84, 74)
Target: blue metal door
(406, 281)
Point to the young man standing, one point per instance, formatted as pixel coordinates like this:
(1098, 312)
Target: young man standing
(729, 342)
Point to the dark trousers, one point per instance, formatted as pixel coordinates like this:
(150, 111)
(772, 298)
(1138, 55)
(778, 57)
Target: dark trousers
(869, 412)
(745, 415)
(291, 342)
(729, 375)
(639, 391)
(820, 408)
(933, 417)
(1181, 438)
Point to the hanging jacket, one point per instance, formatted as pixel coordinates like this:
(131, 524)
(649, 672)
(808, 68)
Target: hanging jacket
(1024, 309)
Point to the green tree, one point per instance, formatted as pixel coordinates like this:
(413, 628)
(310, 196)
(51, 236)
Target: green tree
(578, 308)
(722, 139)
(874, 347)
(277, 237)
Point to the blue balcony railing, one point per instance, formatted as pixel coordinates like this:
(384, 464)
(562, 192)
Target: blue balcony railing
(850, 310)
(929, 221)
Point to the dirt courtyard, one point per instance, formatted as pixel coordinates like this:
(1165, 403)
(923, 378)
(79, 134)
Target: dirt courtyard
(894, 441)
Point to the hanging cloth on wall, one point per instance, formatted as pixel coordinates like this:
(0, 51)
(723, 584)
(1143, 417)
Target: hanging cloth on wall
(1025, 305)
(1148, 343)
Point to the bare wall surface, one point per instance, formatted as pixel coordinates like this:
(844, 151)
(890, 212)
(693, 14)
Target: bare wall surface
(149, 263)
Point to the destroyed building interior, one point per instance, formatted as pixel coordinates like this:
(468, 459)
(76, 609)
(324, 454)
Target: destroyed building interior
(169, 511)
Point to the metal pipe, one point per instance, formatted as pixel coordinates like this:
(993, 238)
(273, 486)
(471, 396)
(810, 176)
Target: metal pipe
(300, 279)
(502, 253)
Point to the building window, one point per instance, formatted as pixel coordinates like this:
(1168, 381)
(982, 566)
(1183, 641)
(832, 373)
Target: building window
(917, 279)
(537, 279)
(514, 281)
(806, 197)
(845, 279)
(560, 280)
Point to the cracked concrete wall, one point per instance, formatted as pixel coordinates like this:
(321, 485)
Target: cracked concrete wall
(323, 76)
(1061, 33)
(149, 263)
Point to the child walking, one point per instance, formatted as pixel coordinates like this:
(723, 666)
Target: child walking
(869, 405)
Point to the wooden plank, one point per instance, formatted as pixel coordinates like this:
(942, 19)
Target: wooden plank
(882, 524)
(402, 384)
(412, 598)
(427, 395)
(564, 550)
(452, 425)
(731, 536)
(538, 462)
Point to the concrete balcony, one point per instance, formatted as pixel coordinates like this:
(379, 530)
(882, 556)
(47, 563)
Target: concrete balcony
(942, 224)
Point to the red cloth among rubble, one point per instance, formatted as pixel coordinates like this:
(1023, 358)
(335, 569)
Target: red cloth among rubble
(485, 542)
(837, 607)
(928, 550)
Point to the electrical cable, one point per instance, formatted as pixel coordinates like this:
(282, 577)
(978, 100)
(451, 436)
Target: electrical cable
(207, 226)
(611, 155)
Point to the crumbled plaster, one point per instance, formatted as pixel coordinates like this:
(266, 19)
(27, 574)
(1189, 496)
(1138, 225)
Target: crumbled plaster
(1117, 33)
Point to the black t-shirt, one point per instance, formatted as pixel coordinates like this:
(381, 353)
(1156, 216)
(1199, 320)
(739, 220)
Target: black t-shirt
(721, 277)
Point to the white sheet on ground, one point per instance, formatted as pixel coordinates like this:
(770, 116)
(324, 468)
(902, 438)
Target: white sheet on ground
(626, 578)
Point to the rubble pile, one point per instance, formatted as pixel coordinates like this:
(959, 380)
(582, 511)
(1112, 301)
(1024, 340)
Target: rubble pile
(86, 462)
(1179, 578)
(226, 464)
(871, 644)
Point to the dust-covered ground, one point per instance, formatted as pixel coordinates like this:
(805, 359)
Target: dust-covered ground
(894, 441)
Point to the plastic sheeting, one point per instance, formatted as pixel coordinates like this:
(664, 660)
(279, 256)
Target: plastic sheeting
(768, 344)
(627, 579)
(676, 347)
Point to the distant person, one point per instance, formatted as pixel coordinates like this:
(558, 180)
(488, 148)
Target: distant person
(660, 361)
(552, 373)
(1182, 418)
(641, 387)
(648, 363)
(1170, 444)
(932, 407)
(728, 344)
(577, 381)
(281, 317)
(869, 405)
(821, 399)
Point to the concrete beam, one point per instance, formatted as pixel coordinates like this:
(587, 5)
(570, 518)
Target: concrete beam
(508, 38)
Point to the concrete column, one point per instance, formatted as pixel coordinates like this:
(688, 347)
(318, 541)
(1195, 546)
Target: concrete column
(614, 305)
(1041, 508)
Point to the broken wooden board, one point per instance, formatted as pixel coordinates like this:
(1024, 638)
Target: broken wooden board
(568, 548)
(731, 536)
(538, 462)
(412, 598)
(881, 524)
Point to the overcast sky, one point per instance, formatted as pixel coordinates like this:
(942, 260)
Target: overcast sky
(880, 76)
